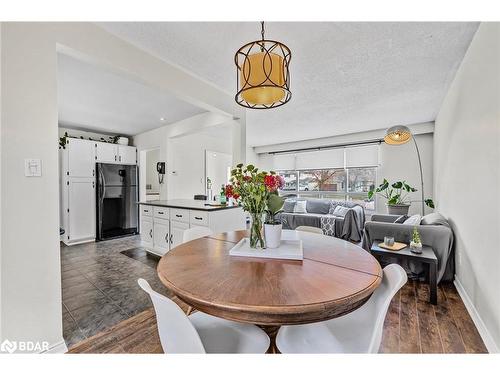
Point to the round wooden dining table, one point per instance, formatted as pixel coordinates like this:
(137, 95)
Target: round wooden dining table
(334, 278)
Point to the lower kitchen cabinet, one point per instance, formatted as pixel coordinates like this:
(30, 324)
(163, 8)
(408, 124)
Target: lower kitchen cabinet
(147, 231)
(177, 230)
(161, 236)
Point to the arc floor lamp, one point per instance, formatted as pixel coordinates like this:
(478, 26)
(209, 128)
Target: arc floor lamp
(399, 135)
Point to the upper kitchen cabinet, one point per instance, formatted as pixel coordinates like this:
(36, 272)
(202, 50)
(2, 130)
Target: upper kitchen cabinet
(113, 153)
(106, 152)
(80, 159)
(127, 154)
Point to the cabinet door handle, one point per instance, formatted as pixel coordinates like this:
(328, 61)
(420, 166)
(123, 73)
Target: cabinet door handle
(93, 172)
(146, 210)
(160, 212)
(171, 239)
(120, 158)
(166, 238)
(178, 215)
(151, 233)
(198, 218)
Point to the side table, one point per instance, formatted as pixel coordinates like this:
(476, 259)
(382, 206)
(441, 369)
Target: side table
(427, 257)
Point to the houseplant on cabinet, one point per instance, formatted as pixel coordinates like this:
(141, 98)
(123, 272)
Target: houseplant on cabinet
(398, 201)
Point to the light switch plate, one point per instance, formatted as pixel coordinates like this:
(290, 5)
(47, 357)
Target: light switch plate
(32, 167)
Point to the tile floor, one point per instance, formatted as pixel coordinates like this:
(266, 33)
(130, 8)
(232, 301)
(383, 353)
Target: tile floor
(99, 285)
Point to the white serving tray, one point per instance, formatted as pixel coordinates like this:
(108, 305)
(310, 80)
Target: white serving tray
(290, 248)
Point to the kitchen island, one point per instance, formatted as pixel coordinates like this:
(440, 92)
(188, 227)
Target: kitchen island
(163, 222)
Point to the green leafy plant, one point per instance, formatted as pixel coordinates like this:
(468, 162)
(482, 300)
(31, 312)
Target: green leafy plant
(415, 237)
(396, 193)
(274, 206)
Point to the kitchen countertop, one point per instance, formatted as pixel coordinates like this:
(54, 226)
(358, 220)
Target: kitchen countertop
(189, 204)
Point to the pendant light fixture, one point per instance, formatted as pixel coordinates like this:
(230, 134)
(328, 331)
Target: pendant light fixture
(262, 75)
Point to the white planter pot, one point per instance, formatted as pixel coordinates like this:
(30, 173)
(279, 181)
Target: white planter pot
(416, 247)
(122, 141)
(272, 233)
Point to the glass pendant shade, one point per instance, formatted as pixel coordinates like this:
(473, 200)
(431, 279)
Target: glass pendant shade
(397, 135)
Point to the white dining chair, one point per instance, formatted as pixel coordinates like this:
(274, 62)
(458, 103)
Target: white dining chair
(305, 228)
(357, 332)
(195, 233)
(202, 333)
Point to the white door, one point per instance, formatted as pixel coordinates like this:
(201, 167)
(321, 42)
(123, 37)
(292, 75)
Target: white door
(127, 155)
(81, 158)
(161, 233)
(81, 205)
(217, 169)
(177, 231)
(147, 232)
(106, 152)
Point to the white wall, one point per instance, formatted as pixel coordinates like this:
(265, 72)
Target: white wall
(401, 163)
(152, 157)
(467, 176)
(187, 176)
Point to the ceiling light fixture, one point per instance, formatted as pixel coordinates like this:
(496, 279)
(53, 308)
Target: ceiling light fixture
(262, 75)
(162, 118)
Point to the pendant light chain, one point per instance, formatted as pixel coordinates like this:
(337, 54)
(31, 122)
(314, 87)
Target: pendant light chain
(262, 31)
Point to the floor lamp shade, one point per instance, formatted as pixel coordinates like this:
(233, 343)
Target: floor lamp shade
(397, 135)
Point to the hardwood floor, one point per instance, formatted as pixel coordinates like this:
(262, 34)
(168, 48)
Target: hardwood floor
(412, 325)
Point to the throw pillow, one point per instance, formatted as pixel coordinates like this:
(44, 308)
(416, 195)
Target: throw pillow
(300, 207)
(434, 219)
(340, 211)
(289, 205)
(333, 205)
(413, 220)
(401, 219)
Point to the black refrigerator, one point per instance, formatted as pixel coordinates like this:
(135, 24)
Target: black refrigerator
(116, 199)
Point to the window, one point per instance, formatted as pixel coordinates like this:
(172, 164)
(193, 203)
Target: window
(344, 184)
(322, 180)
(290, 180)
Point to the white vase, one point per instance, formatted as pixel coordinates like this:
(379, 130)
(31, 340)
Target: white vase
(272, 233)
(416, 247)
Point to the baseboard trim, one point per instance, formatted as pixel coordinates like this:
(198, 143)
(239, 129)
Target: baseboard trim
(59, 348)
(476, 318)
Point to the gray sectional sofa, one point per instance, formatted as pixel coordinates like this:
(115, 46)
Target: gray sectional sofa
(347, 224)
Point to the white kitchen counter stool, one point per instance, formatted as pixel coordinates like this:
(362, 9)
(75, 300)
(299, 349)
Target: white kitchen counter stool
(357, 332)
(202, 333)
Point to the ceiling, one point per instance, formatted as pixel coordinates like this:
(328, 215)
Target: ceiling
(91, 98)
(345, 77)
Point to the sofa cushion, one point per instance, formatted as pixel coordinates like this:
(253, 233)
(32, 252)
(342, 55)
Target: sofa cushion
(413, 220)
(340, 211)
(289, 205)
(434, 219)
(401, 219)
(300, 207)
(318, 206)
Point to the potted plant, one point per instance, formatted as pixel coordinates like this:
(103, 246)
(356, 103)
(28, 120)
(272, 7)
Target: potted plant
(398, 202)
(415, 243)
(272, 227)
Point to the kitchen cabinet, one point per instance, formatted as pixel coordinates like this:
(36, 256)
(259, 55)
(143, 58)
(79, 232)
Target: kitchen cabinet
(81, 210)
(80, 161)
(163, 225)
(106, 152)
(177, 229)
(113, 153)
(161, 235)
(127, 154)
(146, 231)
